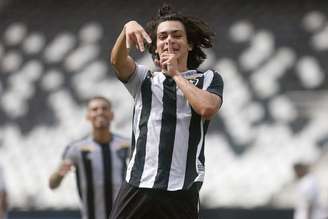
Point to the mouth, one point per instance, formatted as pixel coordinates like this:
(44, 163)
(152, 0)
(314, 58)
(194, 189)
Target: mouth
(174, 50)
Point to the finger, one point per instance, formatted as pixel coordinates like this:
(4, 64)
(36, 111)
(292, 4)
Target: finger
(170, 49)
(140, 42)
(146, 36)
(127, 41)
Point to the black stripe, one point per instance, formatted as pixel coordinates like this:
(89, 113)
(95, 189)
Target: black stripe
(133, 140)
(167, 135)
(216, 85)
(123, 155)
(107, 168)
(78, 182)
(89, 182)
(139, 162)
(193, 141)
(202, 155)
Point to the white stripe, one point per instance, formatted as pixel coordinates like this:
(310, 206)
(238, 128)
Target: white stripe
(208, 77)
(97, 166)
(153, 134)
(137, 115)
(201, 173)
(179, 157)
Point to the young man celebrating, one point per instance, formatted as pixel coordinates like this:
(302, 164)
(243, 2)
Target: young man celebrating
(99, 161)
(172, 110)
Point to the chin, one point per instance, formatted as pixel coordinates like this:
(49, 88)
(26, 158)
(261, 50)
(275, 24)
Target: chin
(101, 126)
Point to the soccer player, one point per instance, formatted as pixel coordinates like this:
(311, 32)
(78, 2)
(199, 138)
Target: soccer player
(3, 196)
(99, 160)
(173, 107)
(307, 205)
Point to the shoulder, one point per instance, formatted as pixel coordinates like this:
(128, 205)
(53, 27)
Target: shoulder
(121, 142)
(80, 141)
(212, 72)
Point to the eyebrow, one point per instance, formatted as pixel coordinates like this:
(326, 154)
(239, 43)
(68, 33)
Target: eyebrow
(170, 31)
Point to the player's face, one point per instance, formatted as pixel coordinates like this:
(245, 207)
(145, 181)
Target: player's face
(99, 114)
(173, 33)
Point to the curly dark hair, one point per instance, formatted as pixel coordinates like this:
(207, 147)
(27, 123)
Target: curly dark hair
(198, 34)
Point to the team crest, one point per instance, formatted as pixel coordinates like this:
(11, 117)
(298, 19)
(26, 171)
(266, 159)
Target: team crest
(194, 81)
(87, 148)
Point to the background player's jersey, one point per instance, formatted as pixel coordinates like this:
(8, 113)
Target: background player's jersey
(100, 169)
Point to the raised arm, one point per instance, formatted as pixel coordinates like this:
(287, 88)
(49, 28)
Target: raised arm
(56, 177)
(133, 34)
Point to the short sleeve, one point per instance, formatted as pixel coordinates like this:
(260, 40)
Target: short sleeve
(133, 85)
(214, 83)
(70, 153)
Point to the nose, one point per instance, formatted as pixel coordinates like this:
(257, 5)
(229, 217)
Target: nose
(100, 111)
(169, 39)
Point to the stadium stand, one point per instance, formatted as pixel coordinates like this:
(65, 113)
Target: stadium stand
(53, 57)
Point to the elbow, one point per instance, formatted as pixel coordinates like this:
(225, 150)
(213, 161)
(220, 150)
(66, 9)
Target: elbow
(208, 112)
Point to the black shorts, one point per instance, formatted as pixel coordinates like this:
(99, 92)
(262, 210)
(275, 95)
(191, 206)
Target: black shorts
(140, 203)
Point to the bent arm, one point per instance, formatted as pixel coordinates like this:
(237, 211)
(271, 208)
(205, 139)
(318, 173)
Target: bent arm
(132, 35)
(123, 64)
(206, 104)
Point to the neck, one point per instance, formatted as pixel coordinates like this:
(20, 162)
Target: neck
(102, 136)
(182, 65)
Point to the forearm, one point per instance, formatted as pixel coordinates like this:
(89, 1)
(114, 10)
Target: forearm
(3, 205)
(120, 59)
(204, 103)
(55, 180)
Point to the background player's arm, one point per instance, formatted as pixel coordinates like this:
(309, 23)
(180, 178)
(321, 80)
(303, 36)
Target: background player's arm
(57, 177)
(3, 204)
(132, 35)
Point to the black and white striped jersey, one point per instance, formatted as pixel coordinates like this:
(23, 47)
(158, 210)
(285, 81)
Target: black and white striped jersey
(167, 134)
(100, 170)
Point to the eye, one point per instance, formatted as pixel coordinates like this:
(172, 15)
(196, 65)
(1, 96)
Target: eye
(161, 37)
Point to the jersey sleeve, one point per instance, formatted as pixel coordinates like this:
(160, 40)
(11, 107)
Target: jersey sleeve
(214, 83)
(70, 153)
(133, 85)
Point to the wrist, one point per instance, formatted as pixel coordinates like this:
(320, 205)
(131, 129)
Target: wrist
(177, 76)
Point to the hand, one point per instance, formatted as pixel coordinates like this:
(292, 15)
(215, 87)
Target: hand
(135, 35)
(169, 62)
(65, 167)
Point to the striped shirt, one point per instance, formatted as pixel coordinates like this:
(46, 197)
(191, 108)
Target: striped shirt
(167, 134)
(100, 169)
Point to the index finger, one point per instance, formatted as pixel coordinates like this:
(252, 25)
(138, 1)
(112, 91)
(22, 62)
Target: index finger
(146, 36)
(170, 49)
(140, 43)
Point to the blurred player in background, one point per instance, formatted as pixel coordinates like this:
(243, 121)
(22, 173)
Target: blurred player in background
(307, 204)
(99, 161)
(3, 196)
(172, 111)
